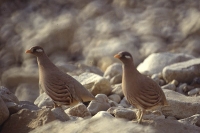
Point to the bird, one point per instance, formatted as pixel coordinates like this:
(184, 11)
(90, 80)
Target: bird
(59, 86)
(139, 90)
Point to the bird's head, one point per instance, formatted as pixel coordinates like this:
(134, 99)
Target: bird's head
(36, 50)
(125, 57)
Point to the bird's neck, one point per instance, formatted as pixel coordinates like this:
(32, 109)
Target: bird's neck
(45, 64)
(129, 70)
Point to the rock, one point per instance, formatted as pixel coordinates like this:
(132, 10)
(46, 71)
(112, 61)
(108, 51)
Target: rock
(169, 87)
(11, 78)
(115, 97)
(181, 106)
(113, 70)
(4, 112)
(156, 77)
(155, 62)
(26, 120)
(13, 107)
(181, 88)
(117, 89)
(44, 100)
(27, 92)
(153, 115)
(102, 114)
(95, 83)
(79, 110)
(7, 96)
(113, 103)
(100, 104)
(124, 103)
(107, 125)
(183, 72)
(116, 79)
(174, 82)
(196, 82)
(28, 105)
(122, 113)
(193, 120)
(60, 114)
(194, 91)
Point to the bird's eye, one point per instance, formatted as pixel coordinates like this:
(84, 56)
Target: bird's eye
(127, 56)
(39, 50)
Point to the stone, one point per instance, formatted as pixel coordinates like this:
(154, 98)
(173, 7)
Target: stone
(44, 100)
(60, 114)
(169, 87)
(183, 72)
(125, 113)
(28, 105)
(79, 110)
(27, 92)
(102, 114)
(117, 89)
(113, 70)
(109, 124)
(196, 82)
(181, 106)
(181, 88)
(26, 120)
(116, 79)
(124, 103)
(155, 62)
(13, 107)
(11, 78)
(192, 120)
(95, 83)
(100, 104)
(115, 97)
(7, 96)
(194, 91)
(4, 112)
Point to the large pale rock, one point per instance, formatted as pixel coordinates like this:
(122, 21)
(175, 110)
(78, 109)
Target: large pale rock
(182, 72)
(44, 100)
(100, 104)
(95, 83)
(27, 92)
(79, 110)
(26, 120)
(155, 62)
(113, 70)
(181, 106)
(4, 112)
(12, 77)
(109, 124)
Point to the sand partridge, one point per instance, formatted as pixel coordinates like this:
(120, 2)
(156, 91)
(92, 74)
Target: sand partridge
(62, 88)
(139, 90)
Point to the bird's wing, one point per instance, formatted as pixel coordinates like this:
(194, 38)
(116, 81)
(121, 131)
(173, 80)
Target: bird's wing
(149, 94)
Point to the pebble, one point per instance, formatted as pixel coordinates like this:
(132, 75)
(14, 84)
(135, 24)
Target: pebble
(194, 91)
(115, 97)
(169, 87)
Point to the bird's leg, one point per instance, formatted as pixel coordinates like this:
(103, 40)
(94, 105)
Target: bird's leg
(141, 115)
(138, 113)
(55, 105)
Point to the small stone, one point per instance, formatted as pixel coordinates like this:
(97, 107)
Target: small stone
(7, 96)
(60, 114)
(13, 107)
(161, 82)
(122, 113)
(175, 82)
(113, 103)
(171, 118)
(180, 88)
(79, 110)
(100, 104)
(115, 97)
(124, 103)
(103, 114)
(192, 120)
(116, 79)
(113, 70)
(117, 89)
(28, 105)
(44, 101)
(169, 87)
(194, 91)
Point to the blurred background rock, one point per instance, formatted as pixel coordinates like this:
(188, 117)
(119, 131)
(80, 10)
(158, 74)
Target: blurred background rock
(79, 35)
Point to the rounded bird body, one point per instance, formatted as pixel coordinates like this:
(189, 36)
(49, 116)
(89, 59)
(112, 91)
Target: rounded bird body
(139, 90)
(60, 87)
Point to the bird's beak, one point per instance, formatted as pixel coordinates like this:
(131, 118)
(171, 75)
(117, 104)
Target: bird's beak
(117, 56)
(28, 51)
